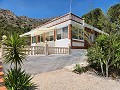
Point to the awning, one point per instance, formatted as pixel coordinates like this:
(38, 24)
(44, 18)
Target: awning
(37, 31)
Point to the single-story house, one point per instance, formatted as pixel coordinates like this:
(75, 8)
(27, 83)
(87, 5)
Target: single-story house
(67, 30)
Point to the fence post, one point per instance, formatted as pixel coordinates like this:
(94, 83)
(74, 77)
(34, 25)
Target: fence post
(2, 51)
(3, 46)
(46, 48)
(69, 50)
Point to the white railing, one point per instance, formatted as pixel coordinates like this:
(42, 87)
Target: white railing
(58, 50)
(41, 50)
(34, 50)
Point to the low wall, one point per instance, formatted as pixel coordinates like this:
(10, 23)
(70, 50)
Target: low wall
(78, 52)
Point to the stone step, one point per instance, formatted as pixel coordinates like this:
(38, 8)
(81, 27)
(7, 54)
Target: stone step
(1, 67)
(1, 81)
(3, 88)
(1, 74)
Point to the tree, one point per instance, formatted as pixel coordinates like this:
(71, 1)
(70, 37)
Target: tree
(14, 54)
(95, 18)
(16, 78)
(106, 53)
(114, 13)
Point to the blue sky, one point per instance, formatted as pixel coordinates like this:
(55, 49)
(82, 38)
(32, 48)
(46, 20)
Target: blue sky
(52, 8)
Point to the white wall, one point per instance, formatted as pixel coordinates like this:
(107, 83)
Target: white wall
(38, 44)
(51, 43)
(62, 43)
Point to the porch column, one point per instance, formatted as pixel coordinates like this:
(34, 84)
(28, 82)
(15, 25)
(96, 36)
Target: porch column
(36, 38)
(44, 39)
(70, 33)
(31, 40)
(55, 35)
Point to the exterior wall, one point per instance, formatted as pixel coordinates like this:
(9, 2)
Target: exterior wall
(51, 43)
(62, 42)
(38, 44)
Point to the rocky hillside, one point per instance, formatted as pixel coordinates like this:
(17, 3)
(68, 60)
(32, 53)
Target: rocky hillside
(20, 21)
(9, 22)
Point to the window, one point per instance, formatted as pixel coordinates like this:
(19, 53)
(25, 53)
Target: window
(58, 34)
(41, 38)
(77, 33)
(65, 32)
(34, 39)
(49, 36)
(38, 38)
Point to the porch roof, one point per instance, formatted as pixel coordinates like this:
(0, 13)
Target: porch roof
(37, 31)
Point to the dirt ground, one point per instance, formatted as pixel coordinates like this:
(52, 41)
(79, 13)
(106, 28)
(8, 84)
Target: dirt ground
(67, 80)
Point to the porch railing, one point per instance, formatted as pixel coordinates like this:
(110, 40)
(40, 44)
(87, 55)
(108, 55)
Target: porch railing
(58, 50)
(40, 50)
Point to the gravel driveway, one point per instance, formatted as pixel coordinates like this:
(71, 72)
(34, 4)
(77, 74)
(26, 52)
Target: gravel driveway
(40, 64)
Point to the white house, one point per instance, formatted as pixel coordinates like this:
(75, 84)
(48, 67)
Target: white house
(64, 31)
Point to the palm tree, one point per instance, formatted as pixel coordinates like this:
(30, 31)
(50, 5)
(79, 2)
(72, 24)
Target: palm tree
(14, 50)
(16, 78)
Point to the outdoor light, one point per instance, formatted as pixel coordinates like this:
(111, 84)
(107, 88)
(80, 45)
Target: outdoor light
(4, 37)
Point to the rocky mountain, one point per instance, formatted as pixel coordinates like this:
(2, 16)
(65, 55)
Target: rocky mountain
(9, 23)
(20, 21)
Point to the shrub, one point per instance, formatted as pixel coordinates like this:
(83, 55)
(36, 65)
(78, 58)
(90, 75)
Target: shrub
(79, 69)
(106, 53)
(17, 80)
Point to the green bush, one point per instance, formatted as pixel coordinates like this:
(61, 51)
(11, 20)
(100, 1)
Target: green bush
(16, 79)
(79, 69)
(105, 55)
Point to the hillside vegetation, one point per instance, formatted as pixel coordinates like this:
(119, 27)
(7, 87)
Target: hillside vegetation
(100, 20)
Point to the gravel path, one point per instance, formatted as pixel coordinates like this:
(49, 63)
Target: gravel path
(66, 80)
(41, 64)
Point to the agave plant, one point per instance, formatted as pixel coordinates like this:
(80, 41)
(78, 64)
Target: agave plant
(17, 79)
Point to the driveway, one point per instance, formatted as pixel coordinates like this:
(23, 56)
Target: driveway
(40, 64)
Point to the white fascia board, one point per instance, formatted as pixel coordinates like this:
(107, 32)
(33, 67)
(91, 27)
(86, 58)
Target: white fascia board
(93, 28)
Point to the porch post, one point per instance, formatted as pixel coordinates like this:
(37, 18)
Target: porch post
(70, 38)
(36, 38)
(70, 31)
(55, 35)
(44, 37)
(2, 51)
(46, 48)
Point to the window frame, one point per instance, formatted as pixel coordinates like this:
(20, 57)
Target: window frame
(79, 31)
